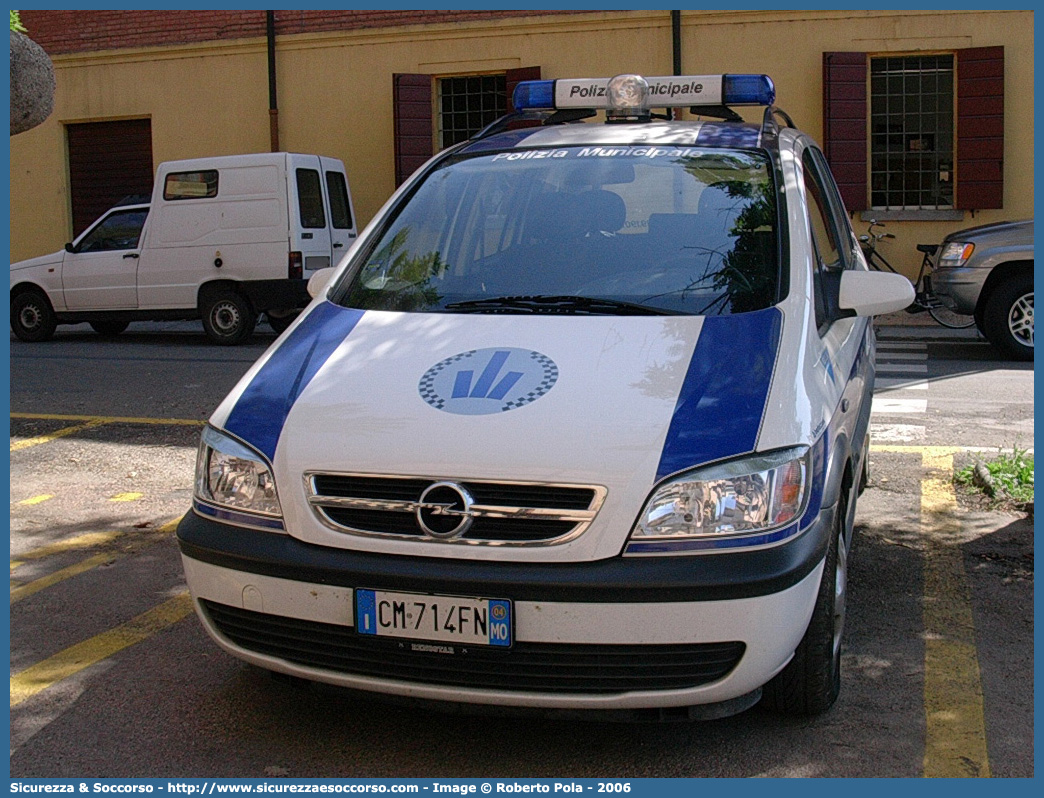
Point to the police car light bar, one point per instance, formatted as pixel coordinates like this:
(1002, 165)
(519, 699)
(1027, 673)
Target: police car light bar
(679, 91)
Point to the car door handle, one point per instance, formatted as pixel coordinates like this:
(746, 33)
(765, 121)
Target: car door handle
(131, 255)
(337, 245)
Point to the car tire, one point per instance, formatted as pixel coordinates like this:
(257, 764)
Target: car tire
(109, 329)
(1008, 318)
(228, 318)
(279, 321)
(32, 317)
(811, 681)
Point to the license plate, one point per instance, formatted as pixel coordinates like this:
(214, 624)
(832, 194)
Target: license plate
(443, 619)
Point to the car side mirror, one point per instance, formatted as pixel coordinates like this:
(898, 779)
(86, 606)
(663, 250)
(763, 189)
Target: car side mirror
(69, 247)
(318, 281)
(872, 293)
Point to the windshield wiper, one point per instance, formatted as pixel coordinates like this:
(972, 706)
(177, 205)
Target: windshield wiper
(557, 304)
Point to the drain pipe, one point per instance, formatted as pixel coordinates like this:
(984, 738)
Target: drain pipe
(676, 52)
(676, 40)
(273, 108)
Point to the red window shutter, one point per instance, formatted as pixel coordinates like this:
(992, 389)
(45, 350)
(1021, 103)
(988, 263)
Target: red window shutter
(980, 128)
(414, 132)
(516, 76)
(844, 125)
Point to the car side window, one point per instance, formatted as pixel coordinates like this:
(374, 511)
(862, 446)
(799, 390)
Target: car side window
(118, 230)
(829, 241)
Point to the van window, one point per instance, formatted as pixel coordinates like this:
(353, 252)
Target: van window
(191, 185)
(340, 210)
(310, 199)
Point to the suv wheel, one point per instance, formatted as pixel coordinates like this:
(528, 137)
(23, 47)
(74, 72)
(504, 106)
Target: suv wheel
(811, 681)
(1008, 318)
(32, 317)
(228, 318)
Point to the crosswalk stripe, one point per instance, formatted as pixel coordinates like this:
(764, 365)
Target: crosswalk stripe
(902, 368)
(896, 433)
(901, 356)
(889, 405)
(897, 383)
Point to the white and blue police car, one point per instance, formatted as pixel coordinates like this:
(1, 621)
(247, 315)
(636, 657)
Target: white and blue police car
(579, 422)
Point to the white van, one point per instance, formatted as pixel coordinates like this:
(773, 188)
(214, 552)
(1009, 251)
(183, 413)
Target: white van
(223, 239)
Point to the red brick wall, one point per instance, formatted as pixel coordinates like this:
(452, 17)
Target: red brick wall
(85, 31)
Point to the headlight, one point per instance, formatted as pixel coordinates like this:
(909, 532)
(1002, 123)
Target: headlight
(728, 500)
(232, 475)
(955, 254)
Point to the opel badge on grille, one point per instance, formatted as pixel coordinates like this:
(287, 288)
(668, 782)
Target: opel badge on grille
(444, 511)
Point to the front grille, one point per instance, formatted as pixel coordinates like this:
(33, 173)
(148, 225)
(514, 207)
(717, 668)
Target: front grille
(526, 667)
(501, 512)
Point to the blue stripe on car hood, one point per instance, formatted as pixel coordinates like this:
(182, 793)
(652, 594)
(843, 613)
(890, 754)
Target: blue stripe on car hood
(722, 400)
(260, 413)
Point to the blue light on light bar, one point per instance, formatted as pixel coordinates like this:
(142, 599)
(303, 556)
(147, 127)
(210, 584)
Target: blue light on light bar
(675, 91)
(534, 94)
(748, 90)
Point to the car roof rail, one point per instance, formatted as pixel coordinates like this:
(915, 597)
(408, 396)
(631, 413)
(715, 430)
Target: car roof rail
(769, 126)
(544, 117)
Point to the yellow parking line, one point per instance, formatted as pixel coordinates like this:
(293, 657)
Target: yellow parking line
(82, 655)
(126, 497)
(17, 446)
(109, 419)
(955, 739)
(84, 541)
(20, 591)
(43, 497)
(29, 588)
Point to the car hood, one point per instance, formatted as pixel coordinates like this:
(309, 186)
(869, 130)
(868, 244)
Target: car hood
(606, 401)
(43, 260)
(1019, 232)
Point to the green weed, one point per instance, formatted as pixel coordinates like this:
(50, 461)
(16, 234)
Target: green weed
(1006, 478)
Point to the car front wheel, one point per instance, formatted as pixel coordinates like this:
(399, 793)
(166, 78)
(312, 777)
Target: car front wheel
(811, 681)
(228, 318)
(32, 317)
(1009, 317)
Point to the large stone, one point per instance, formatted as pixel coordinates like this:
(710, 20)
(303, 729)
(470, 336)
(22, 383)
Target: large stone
(32, 84)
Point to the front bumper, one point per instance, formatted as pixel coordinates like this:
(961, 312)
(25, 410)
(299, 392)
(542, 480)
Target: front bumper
(959, 289)
(288, 607)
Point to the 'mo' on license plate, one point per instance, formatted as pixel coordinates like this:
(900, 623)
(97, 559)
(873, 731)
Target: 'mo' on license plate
(446, 619)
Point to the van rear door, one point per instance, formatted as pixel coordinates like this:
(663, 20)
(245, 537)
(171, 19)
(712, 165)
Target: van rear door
(309, 212)
(342, 212)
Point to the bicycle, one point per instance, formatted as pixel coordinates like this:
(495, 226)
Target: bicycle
(924, 297)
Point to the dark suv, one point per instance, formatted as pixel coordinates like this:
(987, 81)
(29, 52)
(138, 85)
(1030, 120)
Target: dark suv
(988, 271)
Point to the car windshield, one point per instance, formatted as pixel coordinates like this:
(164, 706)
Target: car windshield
(592, 230)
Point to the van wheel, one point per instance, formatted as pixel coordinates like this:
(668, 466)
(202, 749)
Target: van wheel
(32, 317)
(280, 320)
(811, 681)
(228, 318)
(110, 329)
(1009, 317)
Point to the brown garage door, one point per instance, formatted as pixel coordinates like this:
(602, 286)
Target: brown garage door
(108, 161)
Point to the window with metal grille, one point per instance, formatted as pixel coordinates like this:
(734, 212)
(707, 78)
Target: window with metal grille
(911, 132)
(468, 104)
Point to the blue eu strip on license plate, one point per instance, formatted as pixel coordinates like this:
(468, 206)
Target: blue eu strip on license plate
(444, 619)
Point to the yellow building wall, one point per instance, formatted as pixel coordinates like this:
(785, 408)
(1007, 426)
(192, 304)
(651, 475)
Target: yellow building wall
(335, 91)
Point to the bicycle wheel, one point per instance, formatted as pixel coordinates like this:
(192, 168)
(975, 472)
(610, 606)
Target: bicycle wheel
(949, 318)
